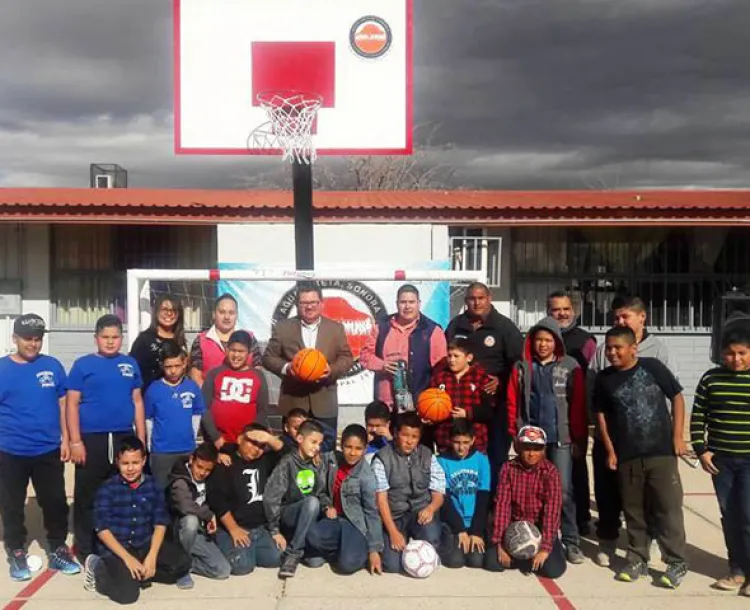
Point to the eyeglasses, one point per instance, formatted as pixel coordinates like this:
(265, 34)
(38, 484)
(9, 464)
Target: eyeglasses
(309, 303)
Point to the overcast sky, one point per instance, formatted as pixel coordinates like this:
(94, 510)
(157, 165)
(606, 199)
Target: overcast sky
(530, 93)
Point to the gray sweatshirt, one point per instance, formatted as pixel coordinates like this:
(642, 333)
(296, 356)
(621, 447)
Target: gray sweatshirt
(649, 347)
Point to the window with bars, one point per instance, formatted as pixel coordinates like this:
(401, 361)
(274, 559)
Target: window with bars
(678, 272)
(89, 265)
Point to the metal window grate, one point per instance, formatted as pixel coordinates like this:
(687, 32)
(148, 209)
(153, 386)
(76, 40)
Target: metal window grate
(478, 254)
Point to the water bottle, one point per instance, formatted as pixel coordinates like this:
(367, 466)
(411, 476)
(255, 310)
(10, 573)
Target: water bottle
(401, 391)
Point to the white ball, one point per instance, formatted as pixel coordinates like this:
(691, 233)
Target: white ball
(34, 562)
(522, 540)
(420, 559)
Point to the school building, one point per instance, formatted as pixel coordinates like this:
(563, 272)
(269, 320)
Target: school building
(64, 252)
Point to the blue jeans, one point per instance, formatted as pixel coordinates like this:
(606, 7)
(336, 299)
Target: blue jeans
(208, 560)
(562, 457)
(408, 526)
(296, 520)
(338, 542)
(732, 486)
(262, 551)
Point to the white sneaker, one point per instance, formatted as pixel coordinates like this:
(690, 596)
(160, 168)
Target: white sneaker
(606, 552)
(89, 572)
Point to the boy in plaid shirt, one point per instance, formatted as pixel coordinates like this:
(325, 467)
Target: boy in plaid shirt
(464, 381)
(529, 490)
(131, 519)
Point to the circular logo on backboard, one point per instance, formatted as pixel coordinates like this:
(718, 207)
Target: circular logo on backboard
(355, 305)
(370, 37)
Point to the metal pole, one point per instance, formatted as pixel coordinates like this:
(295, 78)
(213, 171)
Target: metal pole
(302, 185)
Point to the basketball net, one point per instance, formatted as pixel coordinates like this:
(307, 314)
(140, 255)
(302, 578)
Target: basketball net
(291, 116)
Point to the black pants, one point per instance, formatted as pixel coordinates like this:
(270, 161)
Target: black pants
(114, 580)
(452, 556)
(46, 474)
(652, 500)
(607, 494)
(499, 441)
(581, 492)
(99, 466)
(554, 567)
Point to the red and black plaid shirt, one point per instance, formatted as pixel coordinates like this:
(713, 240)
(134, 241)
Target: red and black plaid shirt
(529, 495)
(466, 393)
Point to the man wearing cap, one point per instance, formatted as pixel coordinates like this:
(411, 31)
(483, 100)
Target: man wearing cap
(33, 446)
(529, 489)
(410, 337)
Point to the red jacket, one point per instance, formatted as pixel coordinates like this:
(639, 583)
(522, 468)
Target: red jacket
(568, 390)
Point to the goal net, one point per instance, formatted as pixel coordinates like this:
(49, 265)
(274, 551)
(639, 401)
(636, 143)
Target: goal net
(266, 296)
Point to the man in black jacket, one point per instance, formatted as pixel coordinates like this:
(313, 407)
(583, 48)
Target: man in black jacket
(581, 345)
(498, 344)
(195, 521)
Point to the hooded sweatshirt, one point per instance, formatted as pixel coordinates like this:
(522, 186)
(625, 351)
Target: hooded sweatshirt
(648, 347)
(294, 479)
(552, 395)
(185, 497)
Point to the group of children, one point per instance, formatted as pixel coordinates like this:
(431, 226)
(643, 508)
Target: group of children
(151, 506)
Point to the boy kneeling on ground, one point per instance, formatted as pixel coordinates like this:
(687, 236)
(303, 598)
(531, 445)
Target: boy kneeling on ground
(529, 489)
(410, 490)
(130, 518)
(235, 495)
(294, 497)
(464, 515)
(195, 524)
(351, 534)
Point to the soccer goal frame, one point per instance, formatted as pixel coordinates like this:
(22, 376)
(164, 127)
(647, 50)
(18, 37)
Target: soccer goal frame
(137, 279)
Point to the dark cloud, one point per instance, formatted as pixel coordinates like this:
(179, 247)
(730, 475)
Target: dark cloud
(530, 93)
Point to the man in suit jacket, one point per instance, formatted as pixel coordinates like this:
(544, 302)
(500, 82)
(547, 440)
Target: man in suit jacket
(309, 329)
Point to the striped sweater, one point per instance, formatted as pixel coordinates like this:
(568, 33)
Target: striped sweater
(720, 421)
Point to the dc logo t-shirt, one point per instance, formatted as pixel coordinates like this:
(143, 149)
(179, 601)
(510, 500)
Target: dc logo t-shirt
(30, 405)
(106, 385)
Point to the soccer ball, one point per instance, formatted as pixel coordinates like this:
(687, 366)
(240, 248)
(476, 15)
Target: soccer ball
(420, 559)
(522, 540)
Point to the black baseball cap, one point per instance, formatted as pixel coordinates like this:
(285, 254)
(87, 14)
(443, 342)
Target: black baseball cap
(29, 325)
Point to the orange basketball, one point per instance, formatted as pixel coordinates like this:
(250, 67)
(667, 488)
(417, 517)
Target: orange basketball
(434, 404)
(309, 365)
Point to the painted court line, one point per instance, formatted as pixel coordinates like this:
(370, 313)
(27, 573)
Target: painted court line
(29, 590)
(556, 593)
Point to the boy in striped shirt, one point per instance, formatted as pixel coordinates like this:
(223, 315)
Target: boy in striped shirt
(720, 433)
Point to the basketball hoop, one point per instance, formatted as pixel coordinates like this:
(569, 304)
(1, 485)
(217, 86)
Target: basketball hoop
(291, 115)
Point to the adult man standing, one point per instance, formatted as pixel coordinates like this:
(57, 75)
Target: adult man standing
(309, 329)
(33, 446)
(498, 344)
(631, 312)
(581, 345)
(408, 336)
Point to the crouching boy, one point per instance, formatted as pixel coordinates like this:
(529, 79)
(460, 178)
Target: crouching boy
(529, 489)
(464, 514)
(294, 496)
(195, 522)
(410, 489)
(235, 495)
(351, 534)
(130, 518)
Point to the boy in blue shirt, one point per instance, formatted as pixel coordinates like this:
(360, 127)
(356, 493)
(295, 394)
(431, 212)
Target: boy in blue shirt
(104, 403)
(464, 513)
(131, 522)
(33, 446)
(378, 424)
(174, 405)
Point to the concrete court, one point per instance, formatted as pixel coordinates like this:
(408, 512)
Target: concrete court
(584, 587)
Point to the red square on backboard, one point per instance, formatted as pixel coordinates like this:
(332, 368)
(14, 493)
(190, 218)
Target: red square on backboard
(298, 66)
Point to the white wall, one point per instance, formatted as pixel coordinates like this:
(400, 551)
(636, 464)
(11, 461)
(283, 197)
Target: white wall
(390, 245)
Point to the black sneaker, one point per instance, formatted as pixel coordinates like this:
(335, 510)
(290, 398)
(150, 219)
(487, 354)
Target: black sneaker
(633, 571)
(674, 575)
(289, 566)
